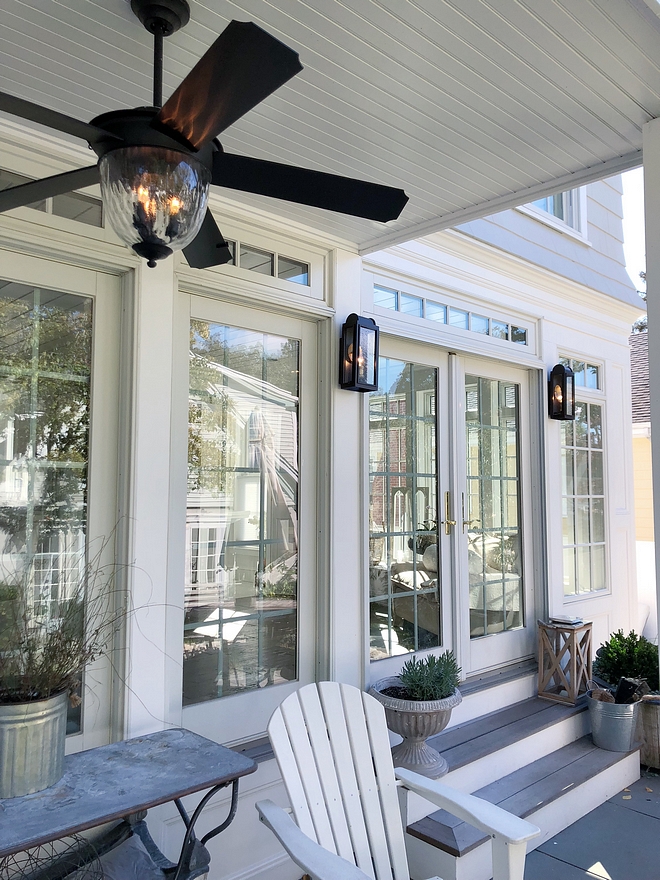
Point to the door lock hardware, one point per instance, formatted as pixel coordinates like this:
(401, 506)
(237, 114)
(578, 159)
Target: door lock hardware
(447, 521)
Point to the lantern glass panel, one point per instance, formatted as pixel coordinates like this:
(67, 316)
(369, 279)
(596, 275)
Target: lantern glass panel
(366, 356)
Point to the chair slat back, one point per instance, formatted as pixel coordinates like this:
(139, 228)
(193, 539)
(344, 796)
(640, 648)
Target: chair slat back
(332, 748)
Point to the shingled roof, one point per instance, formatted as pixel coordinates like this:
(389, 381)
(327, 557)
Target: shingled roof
(639, 377)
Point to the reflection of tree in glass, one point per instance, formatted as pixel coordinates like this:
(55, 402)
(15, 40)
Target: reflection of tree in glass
(45, 359)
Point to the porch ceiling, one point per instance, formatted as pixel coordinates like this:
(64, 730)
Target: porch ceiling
(471, 106)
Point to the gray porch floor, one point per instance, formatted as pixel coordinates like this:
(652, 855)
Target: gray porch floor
(620, 840)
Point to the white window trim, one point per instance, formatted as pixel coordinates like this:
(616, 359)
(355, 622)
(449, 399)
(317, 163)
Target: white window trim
(578, 232)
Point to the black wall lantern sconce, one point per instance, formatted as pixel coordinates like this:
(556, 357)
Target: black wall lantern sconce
(358, 354)
(561, 393)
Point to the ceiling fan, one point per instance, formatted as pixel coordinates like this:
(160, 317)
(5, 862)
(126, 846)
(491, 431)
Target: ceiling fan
(156, 163)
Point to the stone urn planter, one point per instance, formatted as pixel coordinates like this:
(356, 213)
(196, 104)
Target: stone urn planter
(416, 721)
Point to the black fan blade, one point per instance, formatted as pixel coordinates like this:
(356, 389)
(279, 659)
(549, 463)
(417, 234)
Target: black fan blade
(27, 110)
(316, 188)
(208, 248)
(35, 190)
(242, 67)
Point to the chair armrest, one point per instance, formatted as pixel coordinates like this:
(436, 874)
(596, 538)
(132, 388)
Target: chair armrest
(316, 861)
(473, 810)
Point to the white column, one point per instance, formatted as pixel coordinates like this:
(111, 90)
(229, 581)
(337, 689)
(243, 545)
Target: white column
(149, 666)
(346, 630)
(652, 217)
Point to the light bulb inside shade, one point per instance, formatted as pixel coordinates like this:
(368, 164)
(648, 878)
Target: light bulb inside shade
(154, 198)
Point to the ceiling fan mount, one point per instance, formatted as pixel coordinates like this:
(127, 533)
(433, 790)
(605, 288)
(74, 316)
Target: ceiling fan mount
(166, 16)
(156, 164)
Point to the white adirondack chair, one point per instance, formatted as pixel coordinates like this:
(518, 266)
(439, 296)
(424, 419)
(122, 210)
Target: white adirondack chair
(333, 751)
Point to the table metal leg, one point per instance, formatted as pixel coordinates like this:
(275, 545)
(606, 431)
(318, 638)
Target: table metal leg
(189, 840)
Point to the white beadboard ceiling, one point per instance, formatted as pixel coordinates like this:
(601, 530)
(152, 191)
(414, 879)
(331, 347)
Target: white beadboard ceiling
(471, 106)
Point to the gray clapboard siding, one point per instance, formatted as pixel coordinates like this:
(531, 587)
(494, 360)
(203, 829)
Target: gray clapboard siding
(599, 264)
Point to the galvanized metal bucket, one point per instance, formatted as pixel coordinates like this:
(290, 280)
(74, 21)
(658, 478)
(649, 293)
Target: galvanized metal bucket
(613, 725)
(32, 737)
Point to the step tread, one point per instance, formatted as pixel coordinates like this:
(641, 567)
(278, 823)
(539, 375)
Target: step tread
(523, 792)
(476, 739)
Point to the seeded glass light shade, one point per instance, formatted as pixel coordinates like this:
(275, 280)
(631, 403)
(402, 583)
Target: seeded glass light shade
(154, 198)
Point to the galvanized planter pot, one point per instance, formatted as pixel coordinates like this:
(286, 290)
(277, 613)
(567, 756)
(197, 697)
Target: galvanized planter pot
(613, 725)
(416, 721)
(32, 737)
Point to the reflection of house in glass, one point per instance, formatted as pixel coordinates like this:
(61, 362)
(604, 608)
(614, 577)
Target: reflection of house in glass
(241, 526)
(403, 557)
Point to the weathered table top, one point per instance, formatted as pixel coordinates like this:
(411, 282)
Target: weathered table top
(111, 782)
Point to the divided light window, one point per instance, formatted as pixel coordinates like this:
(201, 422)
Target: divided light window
(583, 501)
(45, 372)
(404, 600)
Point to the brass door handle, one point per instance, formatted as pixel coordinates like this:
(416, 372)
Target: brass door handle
(447, 521)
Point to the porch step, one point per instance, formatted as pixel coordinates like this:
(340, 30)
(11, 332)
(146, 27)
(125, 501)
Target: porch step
(481, 751)
(536, 759)
(522, 793)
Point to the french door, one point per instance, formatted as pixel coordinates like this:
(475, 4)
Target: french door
(494, 571)
(249, 591)
(449, 562)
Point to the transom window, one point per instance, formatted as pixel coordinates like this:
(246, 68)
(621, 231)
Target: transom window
(245, 256)
(73, 206)
(585, 375)
(418, 307)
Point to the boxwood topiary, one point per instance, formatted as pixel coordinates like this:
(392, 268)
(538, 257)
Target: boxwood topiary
(630, 656)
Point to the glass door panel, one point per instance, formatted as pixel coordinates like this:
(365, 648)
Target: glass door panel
(493, 491)
(240, 630)
(497, 598)
(250, 581)
(403, 537)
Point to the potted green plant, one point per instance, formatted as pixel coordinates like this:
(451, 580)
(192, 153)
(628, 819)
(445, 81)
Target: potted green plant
(49, 632)
(418, 704)
(632, 657)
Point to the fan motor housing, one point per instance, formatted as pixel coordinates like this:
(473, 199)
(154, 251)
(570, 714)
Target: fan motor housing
(167, 16)
(136, 130)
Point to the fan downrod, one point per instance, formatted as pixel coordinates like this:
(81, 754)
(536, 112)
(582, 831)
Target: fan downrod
(164, 16)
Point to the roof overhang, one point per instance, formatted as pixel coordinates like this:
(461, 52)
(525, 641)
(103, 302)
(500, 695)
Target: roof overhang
(471, 106)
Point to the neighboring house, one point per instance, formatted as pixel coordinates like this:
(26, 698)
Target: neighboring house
(644, 533)
(272, 528)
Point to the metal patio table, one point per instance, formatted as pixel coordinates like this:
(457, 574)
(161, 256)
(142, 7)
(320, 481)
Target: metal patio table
(121, 781)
